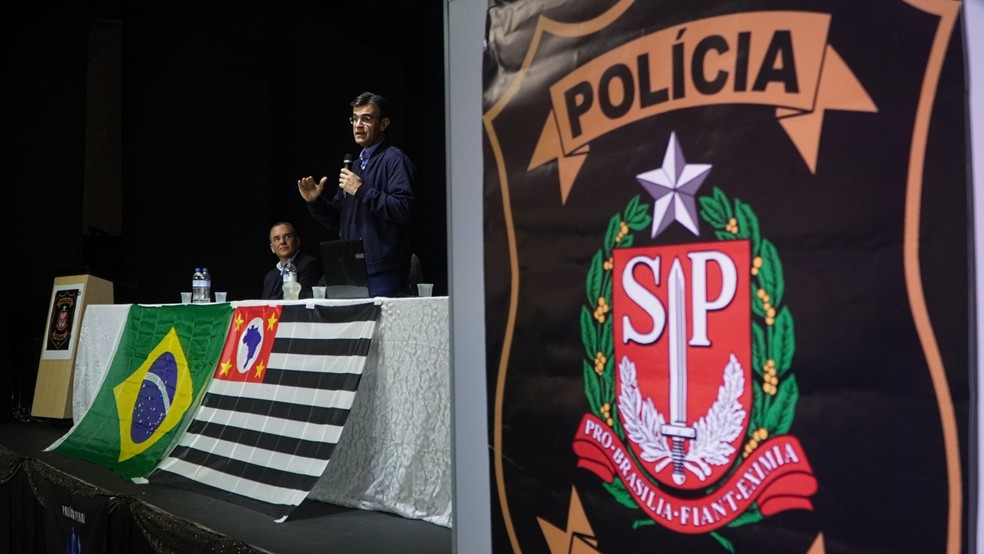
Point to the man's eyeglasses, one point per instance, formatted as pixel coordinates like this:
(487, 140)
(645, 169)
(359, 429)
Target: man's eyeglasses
(365, 119)
(283, 237)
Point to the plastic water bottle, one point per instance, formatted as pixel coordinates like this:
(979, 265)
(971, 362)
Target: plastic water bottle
(291, 287)
(198, 286)
(207, 292)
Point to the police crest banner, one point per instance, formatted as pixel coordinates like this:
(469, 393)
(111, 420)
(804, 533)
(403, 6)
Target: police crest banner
(727, 275)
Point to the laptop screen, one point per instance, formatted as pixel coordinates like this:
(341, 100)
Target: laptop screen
(344, 264)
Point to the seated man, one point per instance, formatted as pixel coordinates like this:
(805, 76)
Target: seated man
(286, 244)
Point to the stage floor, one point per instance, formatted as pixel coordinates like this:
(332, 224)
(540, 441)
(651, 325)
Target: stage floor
(314, 527)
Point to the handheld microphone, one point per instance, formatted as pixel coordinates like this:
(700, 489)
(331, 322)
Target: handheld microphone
(347, 164)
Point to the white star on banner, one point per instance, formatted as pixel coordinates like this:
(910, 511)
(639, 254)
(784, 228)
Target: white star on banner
(673, 187)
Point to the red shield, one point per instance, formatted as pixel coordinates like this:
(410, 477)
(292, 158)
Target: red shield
(682, 338)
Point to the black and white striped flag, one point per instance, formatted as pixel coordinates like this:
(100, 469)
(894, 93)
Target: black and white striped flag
(276, 407)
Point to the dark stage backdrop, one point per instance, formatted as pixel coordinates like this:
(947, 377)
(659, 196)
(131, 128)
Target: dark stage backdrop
(222, 107)
(727, 277)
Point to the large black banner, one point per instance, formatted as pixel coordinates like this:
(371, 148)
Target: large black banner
(727, 276)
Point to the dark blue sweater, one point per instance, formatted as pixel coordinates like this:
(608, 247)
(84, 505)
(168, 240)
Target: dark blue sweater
(380, 213)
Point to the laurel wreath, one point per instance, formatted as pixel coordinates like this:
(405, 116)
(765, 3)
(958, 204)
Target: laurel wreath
(775, 393)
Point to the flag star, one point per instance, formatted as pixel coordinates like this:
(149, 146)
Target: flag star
(673, 187)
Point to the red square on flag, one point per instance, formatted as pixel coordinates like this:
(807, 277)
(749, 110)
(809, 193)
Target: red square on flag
(246, 353)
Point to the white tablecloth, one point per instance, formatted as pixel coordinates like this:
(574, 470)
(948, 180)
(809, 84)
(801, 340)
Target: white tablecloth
(395, 452)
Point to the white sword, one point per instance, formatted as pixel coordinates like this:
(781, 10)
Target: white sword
(677, 428)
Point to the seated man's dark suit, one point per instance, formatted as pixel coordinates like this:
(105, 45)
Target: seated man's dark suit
(309, 272)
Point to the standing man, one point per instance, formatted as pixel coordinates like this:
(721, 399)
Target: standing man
(374, 200)
(286, 244)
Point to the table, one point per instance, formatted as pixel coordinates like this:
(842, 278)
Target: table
(395, 452)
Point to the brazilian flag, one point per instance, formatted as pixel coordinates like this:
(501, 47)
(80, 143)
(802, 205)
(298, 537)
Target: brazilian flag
(165, 357)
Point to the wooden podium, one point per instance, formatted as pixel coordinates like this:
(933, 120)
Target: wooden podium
(69, 298)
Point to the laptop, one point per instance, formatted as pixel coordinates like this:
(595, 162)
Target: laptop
(344, 263)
